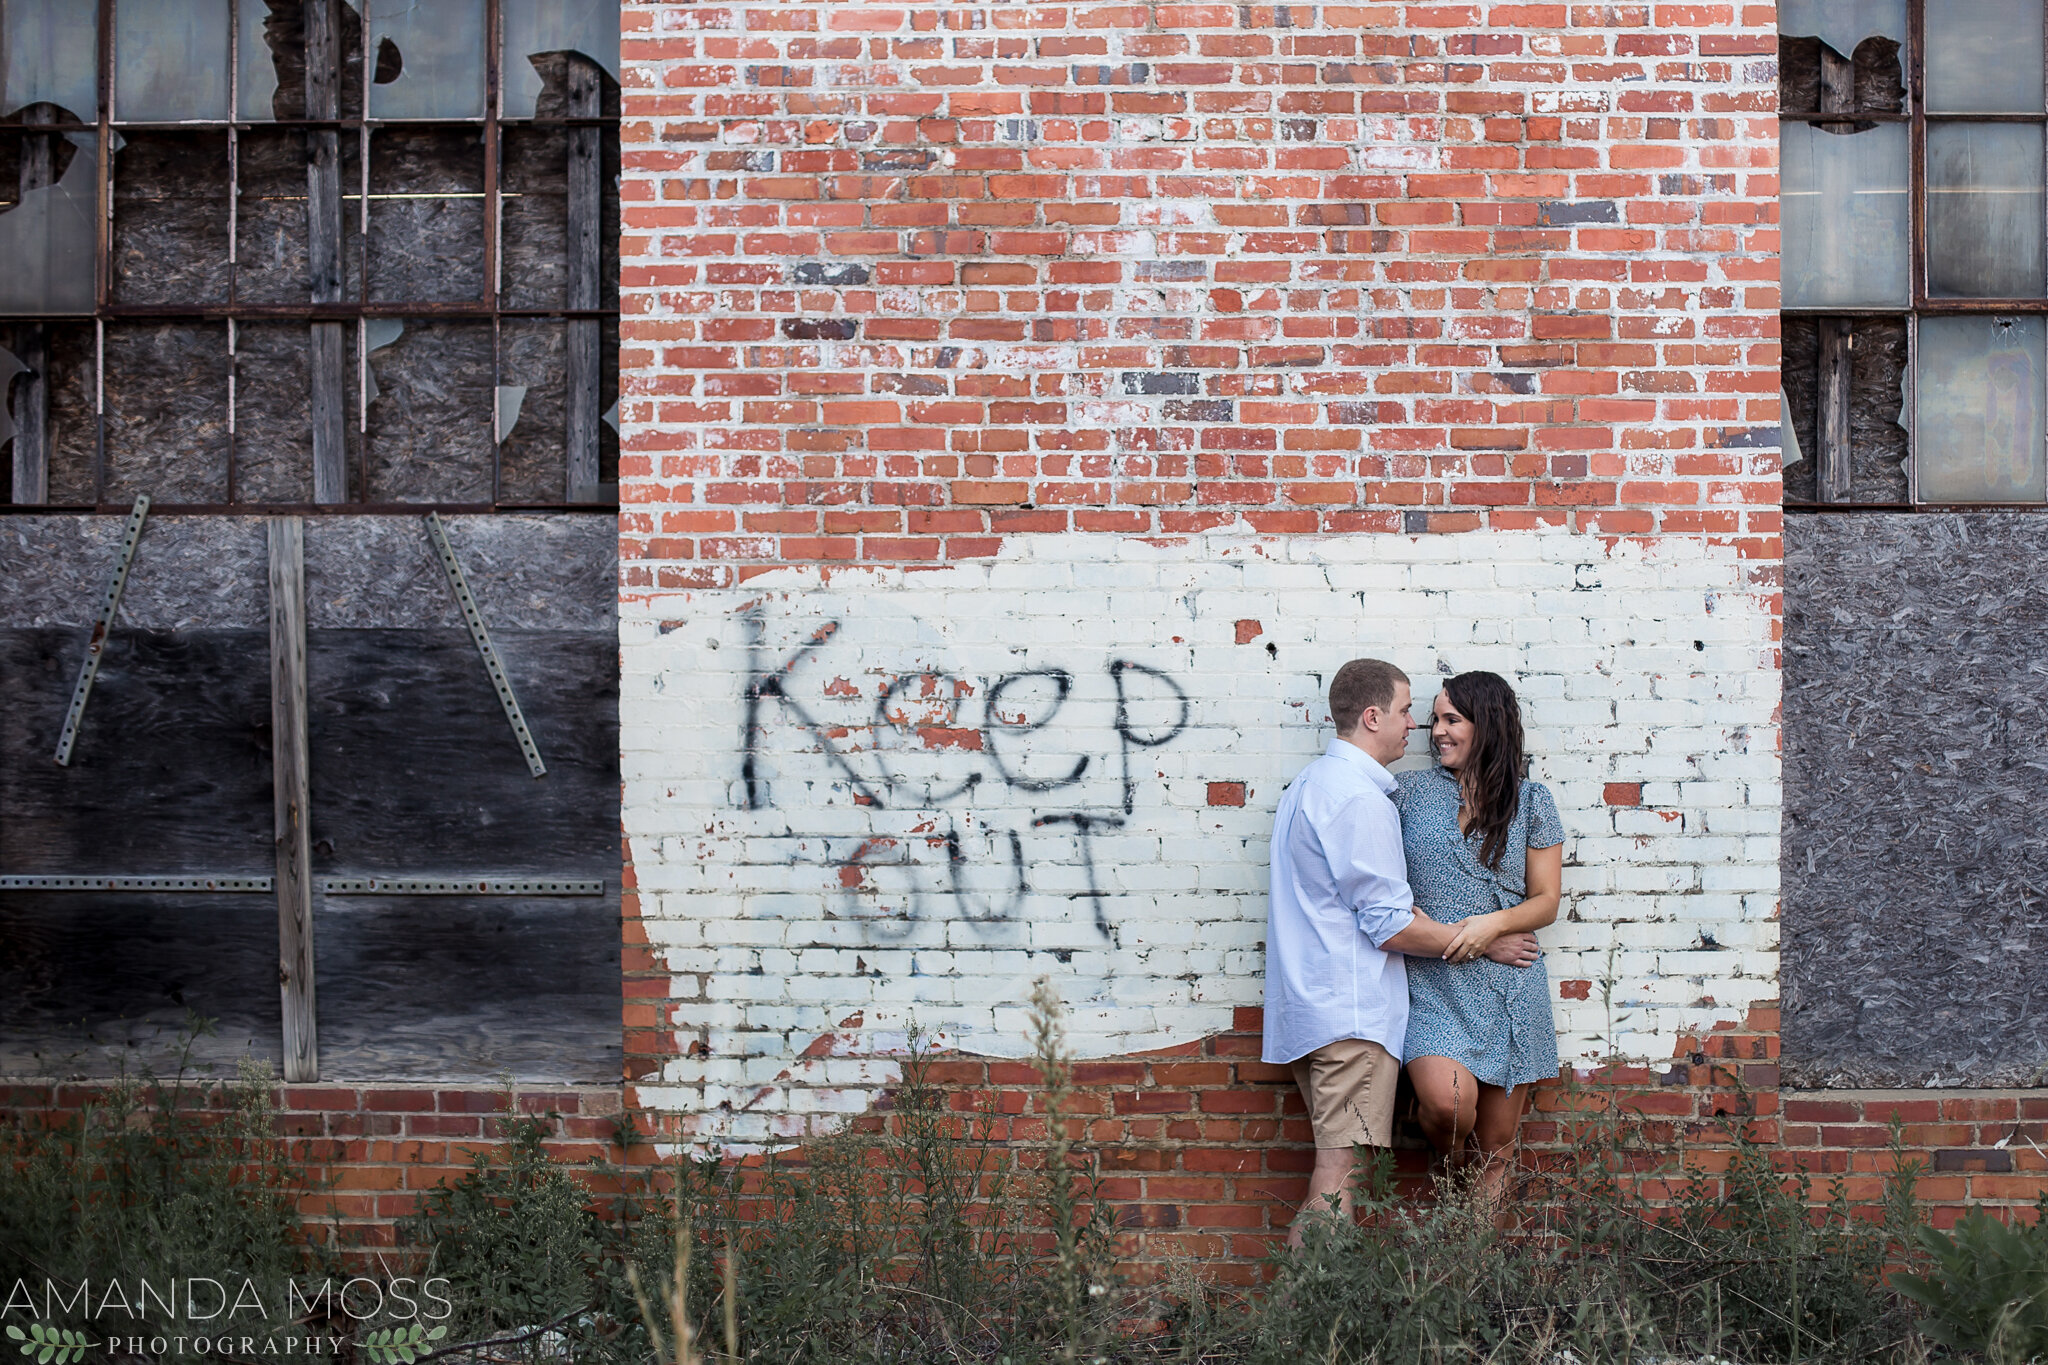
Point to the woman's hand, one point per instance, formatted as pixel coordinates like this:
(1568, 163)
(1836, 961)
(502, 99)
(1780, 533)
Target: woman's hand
(1474, 937)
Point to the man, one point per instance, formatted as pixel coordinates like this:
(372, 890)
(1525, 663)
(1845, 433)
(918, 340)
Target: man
(1339, 920)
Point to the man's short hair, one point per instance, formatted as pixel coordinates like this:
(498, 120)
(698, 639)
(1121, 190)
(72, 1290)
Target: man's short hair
(1359, 684)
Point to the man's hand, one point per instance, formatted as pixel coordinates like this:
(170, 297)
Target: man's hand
(1514, 950)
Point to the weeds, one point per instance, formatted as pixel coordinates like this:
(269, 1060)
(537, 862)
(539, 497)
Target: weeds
(931, 1234)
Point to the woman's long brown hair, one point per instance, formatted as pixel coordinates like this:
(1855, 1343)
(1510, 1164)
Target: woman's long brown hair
(1492, 776)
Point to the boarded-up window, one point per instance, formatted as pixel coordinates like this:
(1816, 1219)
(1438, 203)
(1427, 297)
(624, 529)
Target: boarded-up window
(264, 272)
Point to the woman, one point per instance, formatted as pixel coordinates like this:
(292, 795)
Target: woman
(1485, 853)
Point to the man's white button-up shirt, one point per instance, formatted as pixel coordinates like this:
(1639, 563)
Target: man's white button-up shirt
(1339, 890)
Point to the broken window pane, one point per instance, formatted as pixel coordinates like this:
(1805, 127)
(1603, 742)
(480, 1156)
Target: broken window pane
(430, 59)
(533, 458)
(270, 225)
(271, 59)
(1978, 420)
(170, 60)
(426, 215)
(274, 411)
(1844, 213)
(1984, 57)
(46, 236)
(171, 218)
(63, 353)
(167, 411)
(430, 428)
(533, 239)
(589, 27)
(1845, 26)
(49, 54)
(1984, 210)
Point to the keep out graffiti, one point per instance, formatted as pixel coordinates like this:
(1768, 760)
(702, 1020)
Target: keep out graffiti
(973, 781)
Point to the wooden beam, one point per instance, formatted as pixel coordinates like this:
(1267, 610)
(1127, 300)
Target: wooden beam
(1831, 422)
(1837, 81)
(586, 209)
(325, 357)
(290, 797)
(32, 339)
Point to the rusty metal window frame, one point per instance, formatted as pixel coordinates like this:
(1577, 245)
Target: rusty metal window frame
(489, 308)
(1918, 119)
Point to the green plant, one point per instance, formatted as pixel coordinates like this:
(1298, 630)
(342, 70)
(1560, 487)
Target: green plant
(1986, 1286)
(158, 1179)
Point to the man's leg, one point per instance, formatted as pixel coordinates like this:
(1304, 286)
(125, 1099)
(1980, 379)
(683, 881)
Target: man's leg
(1332, 1176)
(1446, 1102)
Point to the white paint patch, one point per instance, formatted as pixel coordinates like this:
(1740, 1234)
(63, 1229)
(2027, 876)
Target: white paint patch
(888, 796)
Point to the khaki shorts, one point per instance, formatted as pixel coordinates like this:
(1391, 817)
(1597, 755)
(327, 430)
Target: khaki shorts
(1349, 1087)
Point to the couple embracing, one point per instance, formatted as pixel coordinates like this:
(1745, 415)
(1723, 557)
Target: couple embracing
(1399, 926)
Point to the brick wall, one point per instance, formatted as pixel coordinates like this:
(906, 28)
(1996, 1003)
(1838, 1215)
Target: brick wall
(999, 348)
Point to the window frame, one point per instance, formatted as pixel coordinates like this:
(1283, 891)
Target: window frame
(1917, 119)
(359, 309)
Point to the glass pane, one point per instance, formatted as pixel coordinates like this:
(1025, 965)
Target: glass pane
(1984, 56)
(1978, 398)
(49, 54)
(46, 232)
(1984, 210)
(590, 27)
(271, 57)
(170, 60)
(171, 217)
(430, 58)
(1842, 24)
(1844, 211)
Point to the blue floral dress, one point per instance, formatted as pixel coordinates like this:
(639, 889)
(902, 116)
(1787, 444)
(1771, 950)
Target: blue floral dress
(1493, 1018)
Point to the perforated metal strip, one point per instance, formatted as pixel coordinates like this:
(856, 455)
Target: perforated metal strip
(191, 882)
(474, 619)
(97, 644)
(454, 886)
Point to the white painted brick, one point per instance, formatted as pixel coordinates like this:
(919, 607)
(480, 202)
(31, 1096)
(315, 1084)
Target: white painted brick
(1598, 637)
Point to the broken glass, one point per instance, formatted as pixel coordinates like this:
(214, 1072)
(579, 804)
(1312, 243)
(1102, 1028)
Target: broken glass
(1844, 213)
(47, 241)
(1843, 24)
(588, 27)
(10, 366)
(430, 59)
(430, 431)
(510, 396)
(49, 54)
(170, 60)
(1984, 210)
(1984, 57)
(377, 334)
(1978, 401)
(271, 59)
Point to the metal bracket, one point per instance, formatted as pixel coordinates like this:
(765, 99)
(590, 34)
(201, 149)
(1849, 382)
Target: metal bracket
(474, 619)
(477, 886)
(97, 645)
(195, 882)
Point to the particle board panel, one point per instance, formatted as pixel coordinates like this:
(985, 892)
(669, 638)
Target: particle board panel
(167, 411)
(170, 228)
(1916, 749)
(171, 772)
(416, 771)
(430, 425)
(95, 983)
(469, 988)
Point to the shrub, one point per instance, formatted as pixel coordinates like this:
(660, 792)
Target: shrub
(158, 1179)
(1986, 1287)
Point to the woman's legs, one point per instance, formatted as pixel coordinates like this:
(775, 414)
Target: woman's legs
(1493, 1131)
(1446, 1101)
(1455, 1107)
